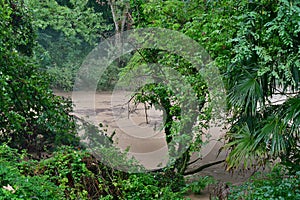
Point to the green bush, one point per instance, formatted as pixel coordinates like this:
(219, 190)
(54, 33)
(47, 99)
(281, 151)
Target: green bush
(15, 185)
(274, 185)
(198, 186)
(150, 186)
(74, 174)
(67, 174)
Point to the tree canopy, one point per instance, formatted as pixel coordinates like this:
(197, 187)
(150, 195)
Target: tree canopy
(255, 44)
(31, 116)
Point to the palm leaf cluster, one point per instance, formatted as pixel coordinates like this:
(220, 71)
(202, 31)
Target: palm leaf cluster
(264, 93)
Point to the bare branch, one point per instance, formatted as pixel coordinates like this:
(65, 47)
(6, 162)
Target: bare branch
(203, 167)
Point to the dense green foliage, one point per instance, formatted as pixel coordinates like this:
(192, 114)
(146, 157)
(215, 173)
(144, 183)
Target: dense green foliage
(17, 185)
(31, 116)
(66, 32)
(254, 44)
(275, 185)
(256, 47)
(73, 174)
(266, 63)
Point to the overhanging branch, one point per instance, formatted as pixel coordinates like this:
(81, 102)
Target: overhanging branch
(203, 167)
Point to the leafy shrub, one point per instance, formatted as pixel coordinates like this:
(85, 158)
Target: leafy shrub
(75, 174)
(149, 186)
(68, 174)
(274, 185)
(198, 186)
(16, 186)
(80, 175)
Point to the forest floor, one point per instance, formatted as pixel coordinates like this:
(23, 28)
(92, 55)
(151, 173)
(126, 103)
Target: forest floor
(147, 142)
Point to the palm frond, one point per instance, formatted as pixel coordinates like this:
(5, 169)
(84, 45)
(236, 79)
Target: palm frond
(247, 94)
(246, 151)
